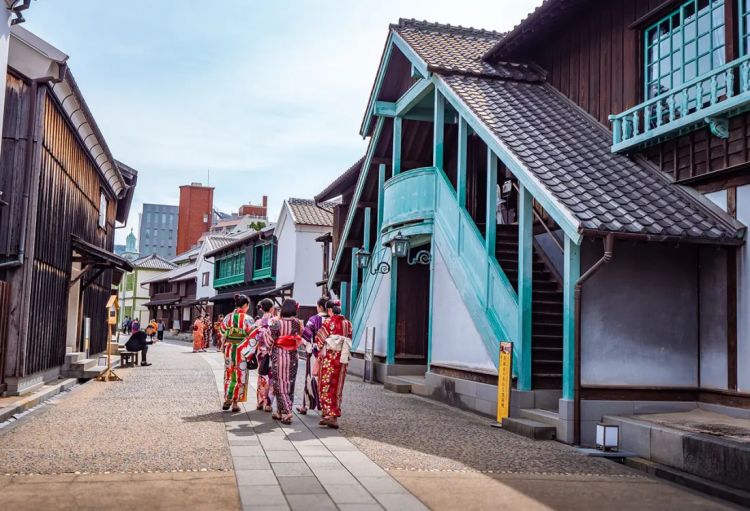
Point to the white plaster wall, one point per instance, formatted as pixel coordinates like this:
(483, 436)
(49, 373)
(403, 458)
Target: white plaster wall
(286, 248)
(378, 317)
(205, 266)
(455, 340)
(308, 265)
(713, 317)
(719, 198)
(743, 295)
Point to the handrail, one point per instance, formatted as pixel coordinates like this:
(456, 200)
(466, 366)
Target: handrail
(538, 217)
(670, 108)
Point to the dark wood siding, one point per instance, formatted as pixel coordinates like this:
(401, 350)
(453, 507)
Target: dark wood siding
(69, 191)
(595, 58)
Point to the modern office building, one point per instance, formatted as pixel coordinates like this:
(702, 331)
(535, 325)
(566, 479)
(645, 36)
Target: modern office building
(196, 214)
(158, 230)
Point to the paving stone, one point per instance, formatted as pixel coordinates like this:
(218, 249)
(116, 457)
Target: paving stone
(323, 462)
(400, 502)
(277, 445)
(378, 485)
(314, 450)
(250, 463)
(334, 476)
(256, 477)
(251, 507)
(283, 457)
(311, 503)
(269, 495)
(296, 485)
(291, 469)
(247, 450)
(360, 507)
(349, 494)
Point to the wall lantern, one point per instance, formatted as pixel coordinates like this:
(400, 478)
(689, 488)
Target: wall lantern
(363, 258)
(608, 437)
(401, 247)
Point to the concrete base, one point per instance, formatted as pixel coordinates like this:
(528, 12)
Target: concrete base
(529, 428)
(31, 400)
(28, 384)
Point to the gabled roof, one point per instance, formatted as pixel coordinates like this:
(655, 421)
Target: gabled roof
(175, 274)
(341, 184)
(153, 262)
(215, 241)
(448, 49)
(307, 212)
(186, 256)
(243, 238)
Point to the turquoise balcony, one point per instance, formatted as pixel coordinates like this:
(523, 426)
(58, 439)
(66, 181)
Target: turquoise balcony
(708, 99)
(409, 203)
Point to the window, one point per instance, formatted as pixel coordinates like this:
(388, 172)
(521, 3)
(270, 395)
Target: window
(102, 210)
(205, 279)
(130, 282)
(205, 219)
(687, 43)
(163, 218)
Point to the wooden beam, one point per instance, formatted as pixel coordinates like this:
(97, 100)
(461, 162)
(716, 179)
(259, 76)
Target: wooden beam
(571, 274)
(392, 311)
(385, 109)
(354, 281)
(397, 124)
(367, 229)
(381, 185)
(731, 318)
(404, 163)
(438, 131)
(491, 215)
(462, 161)
(525, 265)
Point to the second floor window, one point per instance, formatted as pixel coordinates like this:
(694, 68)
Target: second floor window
(683, 45)
(205, 279)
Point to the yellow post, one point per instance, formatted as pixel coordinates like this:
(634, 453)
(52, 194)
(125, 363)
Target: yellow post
(504, 371)
(112, 308)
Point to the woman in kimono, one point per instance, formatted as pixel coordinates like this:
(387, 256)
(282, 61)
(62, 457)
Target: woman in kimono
(198, 334)
(286, 335)
(334, 340)
(263, 388)
(310, 394)
(238, 331)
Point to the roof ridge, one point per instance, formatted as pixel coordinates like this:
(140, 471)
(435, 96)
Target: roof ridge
(406, 22)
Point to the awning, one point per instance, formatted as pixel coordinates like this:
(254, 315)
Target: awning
(97, 256)
(154, 303)
(279, 291)
(249, 292)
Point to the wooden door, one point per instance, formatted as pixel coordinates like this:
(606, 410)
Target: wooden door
(412, 312)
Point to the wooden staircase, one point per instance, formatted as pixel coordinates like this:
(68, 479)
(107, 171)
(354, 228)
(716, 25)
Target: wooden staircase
(546, 307)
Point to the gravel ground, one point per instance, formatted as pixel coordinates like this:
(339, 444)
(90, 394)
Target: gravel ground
(160, 418)
(405, 432)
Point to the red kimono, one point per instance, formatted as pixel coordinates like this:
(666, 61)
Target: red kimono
(334, 341)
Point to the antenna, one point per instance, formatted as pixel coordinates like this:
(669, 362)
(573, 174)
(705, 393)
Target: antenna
(209, 177)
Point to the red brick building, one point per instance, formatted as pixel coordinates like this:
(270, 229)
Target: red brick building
(196, 207)
(254, 209)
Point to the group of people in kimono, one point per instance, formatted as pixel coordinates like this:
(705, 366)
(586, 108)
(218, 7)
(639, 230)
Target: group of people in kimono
(204, 330)
(271, 345)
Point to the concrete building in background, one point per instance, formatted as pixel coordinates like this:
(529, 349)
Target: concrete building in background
(249, 217)
(158, 230)
(195, 214)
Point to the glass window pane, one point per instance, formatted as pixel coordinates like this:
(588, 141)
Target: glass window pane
(689, 31)
(690, 71)
(690, 53)
(704, 44)
(704, 64)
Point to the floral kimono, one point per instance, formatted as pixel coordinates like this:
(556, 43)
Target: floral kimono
(334, 339)
(239, 332)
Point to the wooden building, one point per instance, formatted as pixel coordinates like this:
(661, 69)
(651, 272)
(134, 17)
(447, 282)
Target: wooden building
(62, 193)
(579, 186)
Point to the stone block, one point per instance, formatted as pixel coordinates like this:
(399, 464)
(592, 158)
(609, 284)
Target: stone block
(666, 447)
(646, 407)
(260, 477)
(594, 410)
(296, 485)
(485, 407)
(349, 494)
(487, 392)
(529, 428)
(291, 469)
(311, 503)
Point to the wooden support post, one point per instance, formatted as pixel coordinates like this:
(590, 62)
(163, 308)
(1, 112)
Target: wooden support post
(491, 219)
(354, 281)
(571, 274)
(344, 297)
(396, 145)
(381, 186)
(463, 136)
(366, 229)
(438, 130)
(525, 265)
(391, 348)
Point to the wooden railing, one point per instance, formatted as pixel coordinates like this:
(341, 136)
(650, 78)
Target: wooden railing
(722, 91)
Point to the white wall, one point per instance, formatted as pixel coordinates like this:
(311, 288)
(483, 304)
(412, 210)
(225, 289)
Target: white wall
(455, 340)
(378, 317)
(308, 265)
(743, 298)
(286, 248)
(205, 266)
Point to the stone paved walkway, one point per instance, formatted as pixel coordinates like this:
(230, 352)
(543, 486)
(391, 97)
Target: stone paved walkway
(303, 466)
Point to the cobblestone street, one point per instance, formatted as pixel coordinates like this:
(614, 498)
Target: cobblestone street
(159, 433)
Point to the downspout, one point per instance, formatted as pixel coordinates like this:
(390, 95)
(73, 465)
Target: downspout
(609, 245)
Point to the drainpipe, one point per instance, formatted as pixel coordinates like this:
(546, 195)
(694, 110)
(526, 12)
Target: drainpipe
(609, 245)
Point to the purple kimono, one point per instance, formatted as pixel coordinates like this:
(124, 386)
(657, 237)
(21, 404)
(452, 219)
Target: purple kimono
(310, 396)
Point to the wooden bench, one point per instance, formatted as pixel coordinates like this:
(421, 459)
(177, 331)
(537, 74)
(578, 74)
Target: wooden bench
(128, 358)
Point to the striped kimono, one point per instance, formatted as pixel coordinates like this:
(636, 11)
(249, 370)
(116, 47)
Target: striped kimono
(285, 333)
(264, 394)
(335, 340)
(239, 332)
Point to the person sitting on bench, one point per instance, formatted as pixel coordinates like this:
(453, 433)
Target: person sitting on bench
(138, 342)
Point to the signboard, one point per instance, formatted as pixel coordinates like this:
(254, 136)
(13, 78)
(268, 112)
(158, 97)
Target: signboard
(504, 372)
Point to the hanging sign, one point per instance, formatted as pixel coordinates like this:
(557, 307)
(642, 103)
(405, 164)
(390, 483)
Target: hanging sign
(503, 380)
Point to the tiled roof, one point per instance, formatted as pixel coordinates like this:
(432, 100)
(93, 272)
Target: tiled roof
(239, 239)
(215, 241)
(569, 153)
(306, 212)
(172, 274)
(153, 262)
(452, 49)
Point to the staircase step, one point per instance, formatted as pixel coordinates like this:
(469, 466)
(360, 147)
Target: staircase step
(93, 372)
(529, 428)
(83, 364)
(544, 416)
(397, 385)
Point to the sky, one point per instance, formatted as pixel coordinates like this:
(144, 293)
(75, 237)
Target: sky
(262, 98)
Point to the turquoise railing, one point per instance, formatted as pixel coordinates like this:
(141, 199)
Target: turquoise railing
(709, 98)
(229, 280)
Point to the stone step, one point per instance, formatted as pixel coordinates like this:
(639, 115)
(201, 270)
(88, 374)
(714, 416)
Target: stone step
(93, 372)
(83, 364)
(397, 385)
(73, 357)
(530, 428)
(544, 416)
(417, 383)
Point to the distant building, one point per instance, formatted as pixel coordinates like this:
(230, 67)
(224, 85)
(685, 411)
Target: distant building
(119, 250)
(133, 294)
(255, 210)
(130, 252)
(158, 230)
(195, 215)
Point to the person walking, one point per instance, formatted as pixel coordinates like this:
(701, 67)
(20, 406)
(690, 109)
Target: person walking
(310, 395)
(264, 393)
(240, 345)
(286, 336)
(198, 334)
(160, 330)
(217, 332)
(334, 339)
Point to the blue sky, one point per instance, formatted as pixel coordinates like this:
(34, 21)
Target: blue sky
(267, 95)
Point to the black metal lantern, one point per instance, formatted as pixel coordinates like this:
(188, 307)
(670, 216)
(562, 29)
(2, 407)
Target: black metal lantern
(400, 245)
(363, 258)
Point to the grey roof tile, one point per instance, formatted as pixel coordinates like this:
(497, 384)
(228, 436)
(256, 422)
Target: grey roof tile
(307, 212)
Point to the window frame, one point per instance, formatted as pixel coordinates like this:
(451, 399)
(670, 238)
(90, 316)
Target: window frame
(103, 206)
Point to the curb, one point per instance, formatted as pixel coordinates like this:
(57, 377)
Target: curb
(693, 482)
(33, 400)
